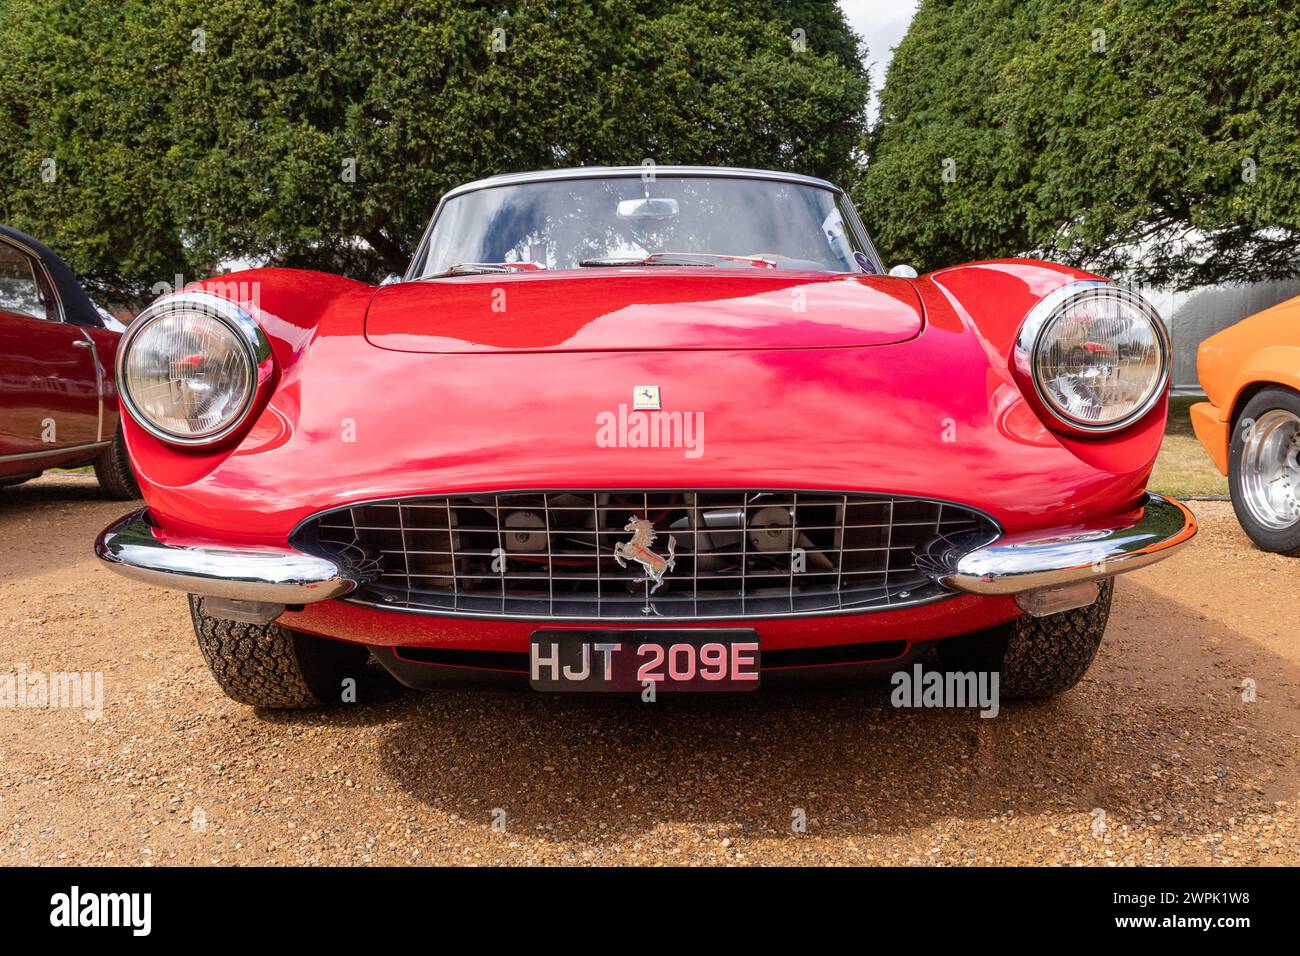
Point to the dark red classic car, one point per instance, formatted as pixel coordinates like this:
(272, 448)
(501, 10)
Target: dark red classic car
(58, 404)
(630, 429)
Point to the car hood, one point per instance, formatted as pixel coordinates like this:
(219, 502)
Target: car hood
(643, 309)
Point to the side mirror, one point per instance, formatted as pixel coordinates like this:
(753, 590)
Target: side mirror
(391, 279)
(903, 271)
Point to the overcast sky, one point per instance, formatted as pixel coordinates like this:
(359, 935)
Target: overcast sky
(882, 24)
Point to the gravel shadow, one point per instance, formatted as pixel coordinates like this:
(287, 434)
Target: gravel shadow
(1132, 739)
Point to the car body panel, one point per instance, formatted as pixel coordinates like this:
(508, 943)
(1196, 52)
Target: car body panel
(1262, 349)
(49, 387)
(58, 403)
(926, 622)
(643, 309)
(1212, 432)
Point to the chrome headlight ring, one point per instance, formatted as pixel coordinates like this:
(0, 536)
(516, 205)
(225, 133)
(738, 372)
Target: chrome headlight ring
(253, 346)
(1053, 306)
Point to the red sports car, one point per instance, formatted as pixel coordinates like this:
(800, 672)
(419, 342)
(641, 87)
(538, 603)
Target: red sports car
(644, 429)
(58, 407)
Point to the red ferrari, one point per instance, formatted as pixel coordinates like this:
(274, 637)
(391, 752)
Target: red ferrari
(58, 407)
(644, 429)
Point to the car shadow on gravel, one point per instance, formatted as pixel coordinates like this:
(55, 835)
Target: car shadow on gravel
(1177, 750)
(54, 488)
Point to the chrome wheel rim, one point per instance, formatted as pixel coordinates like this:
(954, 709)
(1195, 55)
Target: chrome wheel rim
(1270, 469)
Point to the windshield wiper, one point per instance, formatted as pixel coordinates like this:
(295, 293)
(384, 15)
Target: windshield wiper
(485, 268)
(681, 259)
(644, 261)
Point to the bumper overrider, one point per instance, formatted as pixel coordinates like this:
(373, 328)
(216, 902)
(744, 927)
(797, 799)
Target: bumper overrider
(1050, 571)
(1046, 571)
(254, 583)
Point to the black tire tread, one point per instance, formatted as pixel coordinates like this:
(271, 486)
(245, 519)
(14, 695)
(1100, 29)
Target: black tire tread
(270, 666)
(1046, 656)
(1036, 657)
(113, 470)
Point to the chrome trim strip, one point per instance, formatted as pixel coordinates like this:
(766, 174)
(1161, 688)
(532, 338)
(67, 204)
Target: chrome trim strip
(131, 547)
(606, 172)
(637, 489)
(256, 347)
(99, 382)
(601, 622)
(54, 451)
(1047, 308)
(1029, 560)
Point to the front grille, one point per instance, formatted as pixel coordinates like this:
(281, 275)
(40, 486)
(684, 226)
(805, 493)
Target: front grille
(573, 555)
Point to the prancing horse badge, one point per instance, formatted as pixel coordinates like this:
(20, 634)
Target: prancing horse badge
(638, 550)
(645, 397)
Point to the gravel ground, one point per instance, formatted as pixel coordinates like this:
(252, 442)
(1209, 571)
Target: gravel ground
(1154, 758)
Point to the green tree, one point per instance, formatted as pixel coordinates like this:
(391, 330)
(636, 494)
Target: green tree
(1155, 138)
(82, 142)
(187, 132)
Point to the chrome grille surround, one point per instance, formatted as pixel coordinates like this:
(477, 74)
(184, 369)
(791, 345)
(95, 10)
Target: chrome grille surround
(550, 555)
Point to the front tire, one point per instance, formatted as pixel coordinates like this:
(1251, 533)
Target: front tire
(267, 665)
(113, 469)
(1036, 657)
(1264, 470)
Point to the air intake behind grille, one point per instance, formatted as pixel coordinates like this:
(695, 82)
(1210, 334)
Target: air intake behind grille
(556, 555)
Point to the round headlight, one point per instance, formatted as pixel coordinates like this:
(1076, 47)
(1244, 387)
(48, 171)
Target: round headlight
(1098, 355)
(188, 368)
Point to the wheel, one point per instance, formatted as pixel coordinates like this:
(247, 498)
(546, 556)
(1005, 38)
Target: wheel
(1264, 470)
(113, 469)
(267, 665)
(1035, 657)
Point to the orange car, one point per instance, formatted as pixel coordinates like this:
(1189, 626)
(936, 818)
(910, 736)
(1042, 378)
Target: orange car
(1251, 424)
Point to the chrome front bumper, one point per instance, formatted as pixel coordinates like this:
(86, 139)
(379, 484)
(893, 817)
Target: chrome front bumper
(1014, 564)
(1031, 561)
(132, 547)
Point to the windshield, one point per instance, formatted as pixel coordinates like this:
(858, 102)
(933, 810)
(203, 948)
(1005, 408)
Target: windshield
(626, 220)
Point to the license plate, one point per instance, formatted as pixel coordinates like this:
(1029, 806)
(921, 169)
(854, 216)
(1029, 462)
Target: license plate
(630, 660)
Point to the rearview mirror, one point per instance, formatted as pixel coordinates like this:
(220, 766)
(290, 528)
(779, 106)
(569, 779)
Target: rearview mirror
(647, 208)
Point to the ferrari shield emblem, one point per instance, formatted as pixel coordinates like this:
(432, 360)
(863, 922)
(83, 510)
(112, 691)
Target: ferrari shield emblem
(645, 397)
